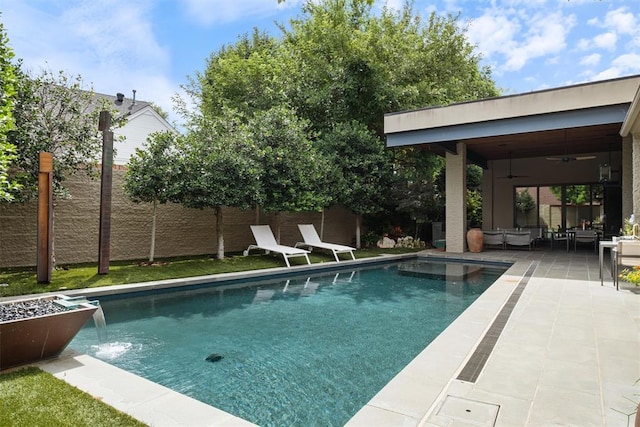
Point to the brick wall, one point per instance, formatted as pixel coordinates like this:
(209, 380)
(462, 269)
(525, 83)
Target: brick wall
(179, 231)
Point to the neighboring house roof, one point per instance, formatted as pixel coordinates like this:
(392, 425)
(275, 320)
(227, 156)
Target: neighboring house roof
(142, 120)
(123, 104)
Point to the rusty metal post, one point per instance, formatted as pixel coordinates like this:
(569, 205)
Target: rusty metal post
(45, 218)
(104, 239)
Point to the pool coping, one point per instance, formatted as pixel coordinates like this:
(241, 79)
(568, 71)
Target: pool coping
(406, 400)
(214, 279)
(412, 394)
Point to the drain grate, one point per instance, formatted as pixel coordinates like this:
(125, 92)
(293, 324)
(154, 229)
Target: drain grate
(479, 358)
(471, 412)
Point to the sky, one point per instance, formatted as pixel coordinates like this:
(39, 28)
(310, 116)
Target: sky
(153, 46)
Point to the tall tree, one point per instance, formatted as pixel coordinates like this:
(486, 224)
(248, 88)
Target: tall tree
(53, 113)
(293, 168)
(415, 189)
(343, 62)
(250, 76)
(7, 94)
(218, 166)
(356, 64)
(151, 174)
(364, 169)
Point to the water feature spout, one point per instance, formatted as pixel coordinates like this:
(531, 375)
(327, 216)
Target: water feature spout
(98, 316)
(101, 325)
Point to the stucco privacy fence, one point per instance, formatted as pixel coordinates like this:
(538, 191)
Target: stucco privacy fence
(180, 231)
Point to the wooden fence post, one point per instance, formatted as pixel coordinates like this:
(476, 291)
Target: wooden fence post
(45, 218)
(104, 239)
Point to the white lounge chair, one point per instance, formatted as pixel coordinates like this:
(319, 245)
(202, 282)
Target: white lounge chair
(267, 242)
(312, 240)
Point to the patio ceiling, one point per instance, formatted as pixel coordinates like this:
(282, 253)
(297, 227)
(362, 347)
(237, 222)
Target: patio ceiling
(568, 121)
(558, 142)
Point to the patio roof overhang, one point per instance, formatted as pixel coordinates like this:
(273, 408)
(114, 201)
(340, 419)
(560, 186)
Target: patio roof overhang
(585, 118)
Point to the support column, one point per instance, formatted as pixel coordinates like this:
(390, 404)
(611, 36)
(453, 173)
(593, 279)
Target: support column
(626, 176)
(456, 205)
(635, 180)
(488, 184)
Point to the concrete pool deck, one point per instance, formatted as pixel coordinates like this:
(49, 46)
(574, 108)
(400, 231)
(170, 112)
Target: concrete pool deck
(568, 354)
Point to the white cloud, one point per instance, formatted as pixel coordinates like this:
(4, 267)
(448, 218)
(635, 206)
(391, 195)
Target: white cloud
(110, 44)
(584, 44)
(629, 62)
(590, 60)
(391, 4)
(622, 21)
(208, 12)
(546, 35)
(623, 65)
(519, 35)
(605, 41)
(493, 34)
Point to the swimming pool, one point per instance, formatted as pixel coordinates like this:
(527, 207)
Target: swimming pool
(301, 351)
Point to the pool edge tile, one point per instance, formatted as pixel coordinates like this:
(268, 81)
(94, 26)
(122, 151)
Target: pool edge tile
(123, 391)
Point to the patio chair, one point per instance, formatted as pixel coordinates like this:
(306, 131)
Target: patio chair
(557, 237)
(493, 238)
(518, 238)
(536, 235)
(585, 236)
(267, 242)
(626, 254)
(312, 240)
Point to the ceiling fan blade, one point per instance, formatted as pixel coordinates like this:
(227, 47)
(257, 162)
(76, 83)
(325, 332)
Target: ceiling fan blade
(513, 176)
(569, 159)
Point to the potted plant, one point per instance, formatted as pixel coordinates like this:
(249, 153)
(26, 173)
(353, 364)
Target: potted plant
(630, 229)
(631, 275)
(40, 328)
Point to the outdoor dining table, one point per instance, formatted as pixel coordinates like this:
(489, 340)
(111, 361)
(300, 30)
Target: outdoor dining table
(602, 245)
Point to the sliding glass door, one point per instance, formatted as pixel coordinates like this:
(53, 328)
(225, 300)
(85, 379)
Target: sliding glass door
(560, 206)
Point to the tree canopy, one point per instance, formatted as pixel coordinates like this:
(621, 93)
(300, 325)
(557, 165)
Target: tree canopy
(293, 168)
(7, 95)
(218, 167)
(54, 113)
(338, 68)
(150, 176)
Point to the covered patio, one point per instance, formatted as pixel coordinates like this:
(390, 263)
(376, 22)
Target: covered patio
(583, 138)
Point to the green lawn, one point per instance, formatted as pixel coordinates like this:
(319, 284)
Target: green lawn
(22, 281)
(31, 397)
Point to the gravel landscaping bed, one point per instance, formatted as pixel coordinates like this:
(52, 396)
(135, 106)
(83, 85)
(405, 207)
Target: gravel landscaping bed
(25, 309)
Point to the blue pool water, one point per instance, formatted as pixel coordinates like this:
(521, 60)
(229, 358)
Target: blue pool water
(300, 352)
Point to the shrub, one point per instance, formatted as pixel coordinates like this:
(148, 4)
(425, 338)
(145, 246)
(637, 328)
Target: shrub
(631, 275)
(410, 242)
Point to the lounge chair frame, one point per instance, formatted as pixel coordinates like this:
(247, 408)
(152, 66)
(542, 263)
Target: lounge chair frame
(312, 240)
(267, 242)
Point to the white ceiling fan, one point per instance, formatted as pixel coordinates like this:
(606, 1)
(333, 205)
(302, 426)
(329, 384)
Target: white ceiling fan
(566, 158)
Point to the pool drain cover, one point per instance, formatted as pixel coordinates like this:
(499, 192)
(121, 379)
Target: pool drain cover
(470, 411)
